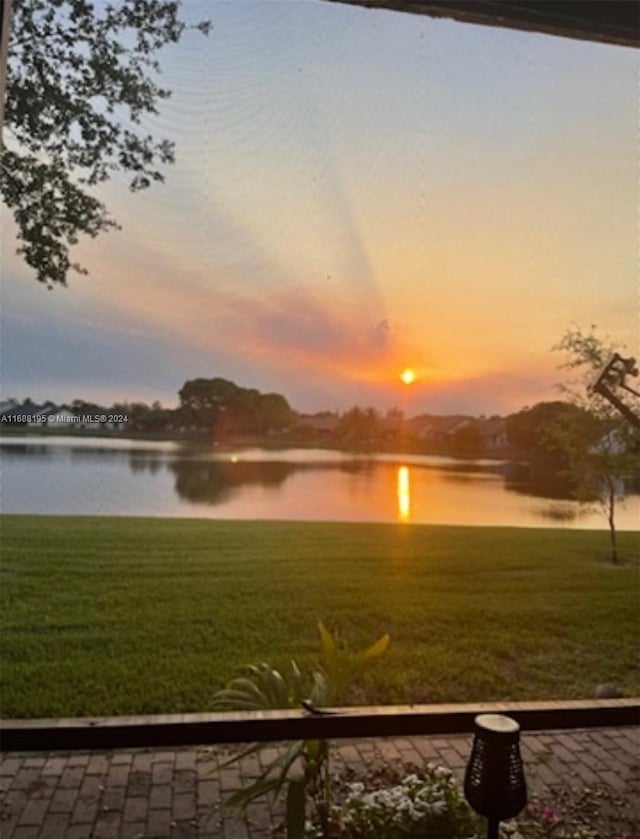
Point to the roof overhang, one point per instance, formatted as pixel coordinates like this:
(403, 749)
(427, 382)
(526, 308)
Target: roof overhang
(608, 21)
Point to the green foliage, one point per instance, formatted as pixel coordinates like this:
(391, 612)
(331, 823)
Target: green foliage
(80, 79)
(340, 667)
(227, 407)
(467, 441)
(527, 430)
(598, 443)
(583, 349)
(272, 412)
(262, 687)
(359, 428)
(585, 353)
(534, 432)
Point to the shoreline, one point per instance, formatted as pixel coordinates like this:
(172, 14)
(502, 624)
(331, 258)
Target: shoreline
(267, 443)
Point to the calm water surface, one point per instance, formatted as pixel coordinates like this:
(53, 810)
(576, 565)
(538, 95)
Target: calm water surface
(92, 476)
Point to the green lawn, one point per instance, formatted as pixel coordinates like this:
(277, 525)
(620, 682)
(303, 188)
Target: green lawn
(118, 616)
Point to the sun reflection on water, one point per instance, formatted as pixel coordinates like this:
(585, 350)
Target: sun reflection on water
(404, 493)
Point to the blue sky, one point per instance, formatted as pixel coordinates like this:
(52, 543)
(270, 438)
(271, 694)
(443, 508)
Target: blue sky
(356, 192)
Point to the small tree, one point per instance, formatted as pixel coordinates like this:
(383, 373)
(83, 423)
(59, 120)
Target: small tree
(303, 770)
(359, 428)
(598, 442)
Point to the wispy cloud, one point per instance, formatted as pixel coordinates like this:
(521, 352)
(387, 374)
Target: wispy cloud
(297, 329)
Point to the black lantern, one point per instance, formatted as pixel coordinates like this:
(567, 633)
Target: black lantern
(494, 783)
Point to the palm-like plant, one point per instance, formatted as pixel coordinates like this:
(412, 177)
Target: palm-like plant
(303, 768)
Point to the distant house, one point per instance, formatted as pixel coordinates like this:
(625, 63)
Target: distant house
(27, 414)
(92, 422)
(322, 424)
(9, 415)
(54, 417)
(611, 443)
(109, 425)
(41, 414)
(7, 405)
(61, 418)
(436, 429)
(31, 415)
(451, 425)
(422, 427)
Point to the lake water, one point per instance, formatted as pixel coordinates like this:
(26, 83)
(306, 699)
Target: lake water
(93, 476)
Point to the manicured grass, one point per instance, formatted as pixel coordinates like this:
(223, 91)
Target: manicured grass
(117, 616)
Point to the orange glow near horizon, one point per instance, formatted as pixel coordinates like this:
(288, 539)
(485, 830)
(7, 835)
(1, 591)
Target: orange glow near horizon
(404, 493)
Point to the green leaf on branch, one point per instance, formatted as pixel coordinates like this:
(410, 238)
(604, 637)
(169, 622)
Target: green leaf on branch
(80, 77)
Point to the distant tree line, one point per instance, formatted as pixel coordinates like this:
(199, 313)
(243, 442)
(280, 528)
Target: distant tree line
(361, 428)
(214, 407)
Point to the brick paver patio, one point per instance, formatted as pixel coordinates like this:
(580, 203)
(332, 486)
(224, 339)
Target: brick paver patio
(144, 794)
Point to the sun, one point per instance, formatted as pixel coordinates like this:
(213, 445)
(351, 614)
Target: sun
(408, 376)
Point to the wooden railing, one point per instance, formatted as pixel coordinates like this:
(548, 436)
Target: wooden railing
(249, 726)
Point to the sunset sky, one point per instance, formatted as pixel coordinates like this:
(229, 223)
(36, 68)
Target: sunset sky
(356, 192)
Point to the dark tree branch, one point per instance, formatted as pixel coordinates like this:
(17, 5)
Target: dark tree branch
(72, 72)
